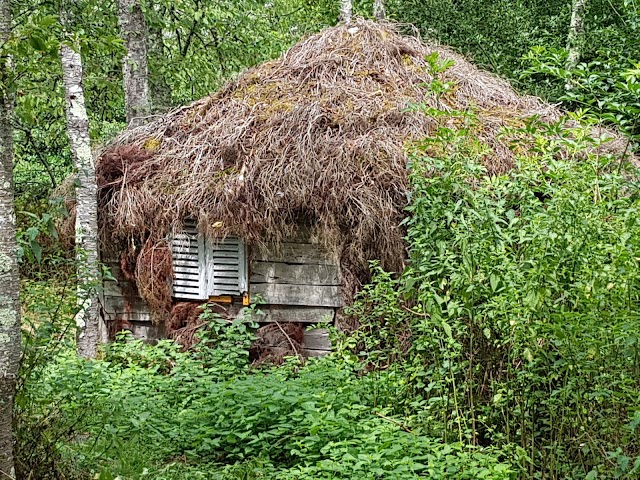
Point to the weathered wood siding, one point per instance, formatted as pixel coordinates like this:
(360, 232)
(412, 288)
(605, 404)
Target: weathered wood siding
(293, 282)
(316, 342)
(123, 310)
(286, 313)
(119, 302)
(298, 282)
(298, 274)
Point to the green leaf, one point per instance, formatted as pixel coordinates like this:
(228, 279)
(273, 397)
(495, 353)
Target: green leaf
(32, 233)
(494, 280)
(528, 355)
(36, 249)
(447, 329)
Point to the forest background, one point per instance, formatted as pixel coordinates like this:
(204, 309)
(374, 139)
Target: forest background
(539, 422)
(194, 46)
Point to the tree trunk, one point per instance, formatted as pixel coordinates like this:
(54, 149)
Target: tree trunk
(10, 351)
(346, 11)
(378, 9)
(576, 33)
(86, 204)
(133, 30)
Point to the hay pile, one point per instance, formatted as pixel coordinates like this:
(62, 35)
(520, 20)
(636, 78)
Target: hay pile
(317, 136)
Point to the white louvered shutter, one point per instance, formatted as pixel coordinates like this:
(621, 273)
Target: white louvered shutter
(207, 268)
(226, 267)
(190, 279)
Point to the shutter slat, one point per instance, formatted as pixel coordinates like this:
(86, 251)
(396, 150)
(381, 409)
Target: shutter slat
(184, 268)
(225, 254)
(184, 265)
(226, 274)
(217, 281)
(226, 261)
(188, 271)
(187, 296)
(185, 289)
(185, 249)
(227, 289)
(220, 267)
(187, 256)
(191, 277)
(228, 240)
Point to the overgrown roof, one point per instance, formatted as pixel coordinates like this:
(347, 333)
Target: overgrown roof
(317, 136)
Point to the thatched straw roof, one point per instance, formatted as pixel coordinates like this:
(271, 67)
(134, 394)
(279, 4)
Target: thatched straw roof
(318, 135)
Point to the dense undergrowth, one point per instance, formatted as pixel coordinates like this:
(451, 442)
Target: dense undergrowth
(508, 348)
(156, 412)
(516, 322)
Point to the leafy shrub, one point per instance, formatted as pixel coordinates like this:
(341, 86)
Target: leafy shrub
(520, 298)
(48, 329)
(608, 91)
(158, 412)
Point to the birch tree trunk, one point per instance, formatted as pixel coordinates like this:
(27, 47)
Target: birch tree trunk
(86, 204)
(378, 9)
(346, 11)
(576, 33)
(135, 71)
(9, 281)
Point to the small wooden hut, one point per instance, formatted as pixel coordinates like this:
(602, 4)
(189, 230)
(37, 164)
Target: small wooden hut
(285, 184)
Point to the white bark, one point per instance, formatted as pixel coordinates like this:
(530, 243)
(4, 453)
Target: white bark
(576, 33)
(346, 11)
(9, 281)
(133, 30)
(378, 9)
(86, 204)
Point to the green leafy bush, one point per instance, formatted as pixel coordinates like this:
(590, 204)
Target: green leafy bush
(608, 91)
(520, 300)
(158, 412)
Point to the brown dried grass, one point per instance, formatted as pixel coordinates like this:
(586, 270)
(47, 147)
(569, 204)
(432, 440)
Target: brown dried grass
(317, 136)
(276, 341)
(153, 274)
(184, 322)
(183, 314)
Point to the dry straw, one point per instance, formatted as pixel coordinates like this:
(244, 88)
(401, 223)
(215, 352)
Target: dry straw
(317, 137)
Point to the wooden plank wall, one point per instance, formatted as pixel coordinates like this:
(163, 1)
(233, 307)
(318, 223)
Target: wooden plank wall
(295, 274)
(122, 310)
(296, 282)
